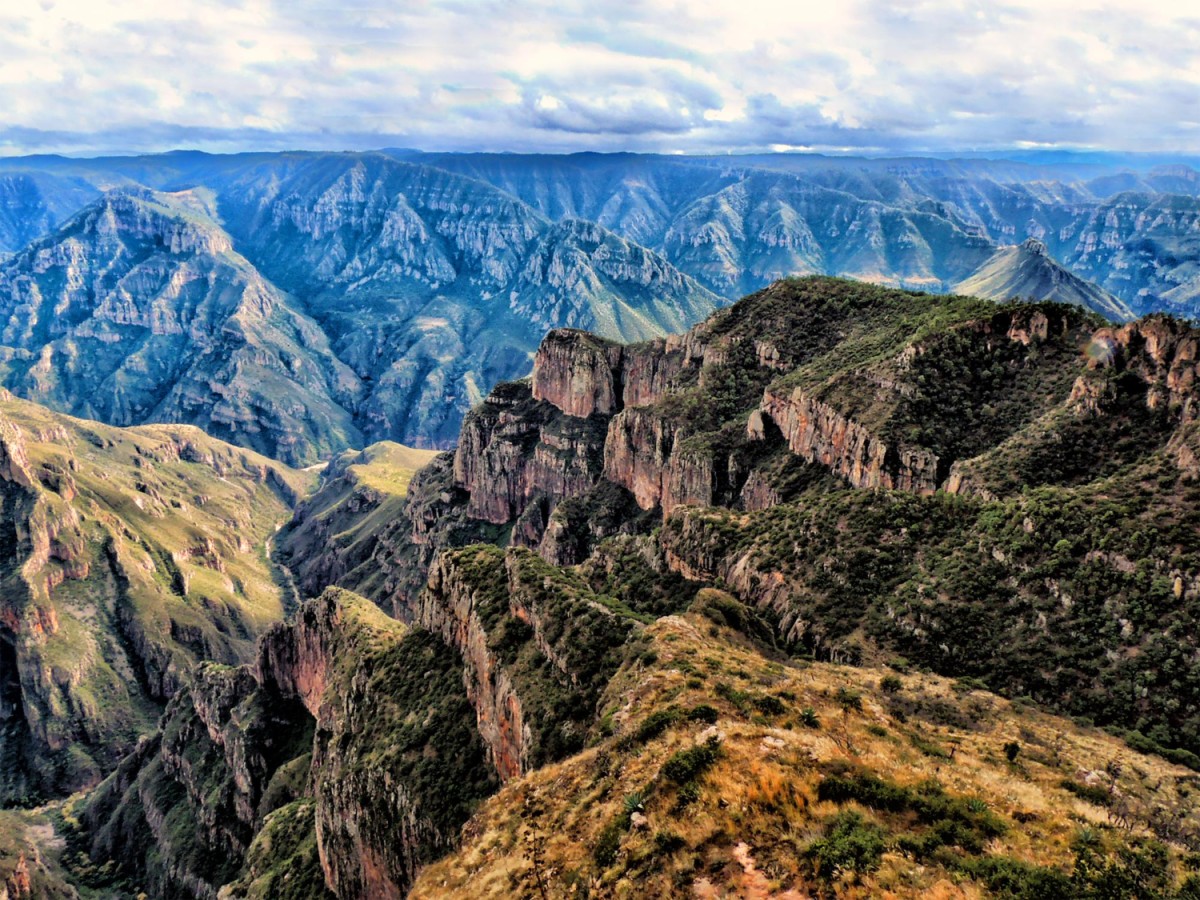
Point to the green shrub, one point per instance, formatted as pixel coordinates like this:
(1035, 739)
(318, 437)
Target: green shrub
(851, 844)
(687, 765)
(1092, 793)
(768, 705)
(890, 684)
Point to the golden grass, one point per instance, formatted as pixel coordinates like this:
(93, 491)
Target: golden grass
(757, 809)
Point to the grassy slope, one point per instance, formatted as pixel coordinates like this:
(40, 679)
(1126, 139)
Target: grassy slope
(771, 814)
(168, 558)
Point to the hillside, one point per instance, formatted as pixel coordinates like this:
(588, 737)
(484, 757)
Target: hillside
(129, 555)
(1027, 271)
(720, 771)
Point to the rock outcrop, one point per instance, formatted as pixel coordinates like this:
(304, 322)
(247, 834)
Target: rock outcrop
(821, 434)
(343, 714)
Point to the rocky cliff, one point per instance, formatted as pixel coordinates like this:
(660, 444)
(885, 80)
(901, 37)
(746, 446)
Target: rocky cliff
(537, 645)
(349, 728)
(806, 390)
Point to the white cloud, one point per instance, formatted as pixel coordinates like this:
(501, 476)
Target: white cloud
(105, 75)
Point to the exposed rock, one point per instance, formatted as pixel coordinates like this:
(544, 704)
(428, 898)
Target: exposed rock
(819, 433)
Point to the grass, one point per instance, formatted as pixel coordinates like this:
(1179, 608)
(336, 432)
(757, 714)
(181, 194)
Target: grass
(972, 821)
(158, 539)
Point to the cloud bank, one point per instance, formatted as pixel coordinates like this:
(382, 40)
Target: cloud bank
(655, 75)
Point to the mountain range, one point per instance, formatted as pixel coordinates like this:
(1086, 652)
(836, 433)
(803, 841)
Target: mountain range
(402, 524)
(349, 298)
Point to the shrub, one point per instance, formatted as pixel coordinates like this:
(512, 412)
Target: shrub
(891, 684)
(809, 718)
(656, 723)
(703, 713)
(1092, 793)
(770, 706)
(1011, 749)
(849, 700)
(687, 765)
(850, 844)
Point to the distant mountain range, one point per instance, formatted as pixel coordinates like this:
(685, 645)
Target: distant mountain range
(302, 303)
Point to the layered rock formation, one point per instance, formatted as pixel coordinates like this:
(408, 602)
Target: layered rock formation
(403, 293)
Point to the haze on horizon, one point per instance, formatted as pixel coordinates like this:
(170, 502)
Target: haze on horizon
(862, 76)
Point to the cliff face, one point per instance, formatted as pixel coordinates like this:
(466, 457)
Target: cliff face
(349, 726)
(502, 611)
(180, 812)
(821, 434)
(129, 556)
(515, 450)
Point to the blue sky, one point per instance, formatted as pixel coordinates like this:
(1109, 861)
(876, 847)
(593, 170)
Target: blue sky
(93, 76)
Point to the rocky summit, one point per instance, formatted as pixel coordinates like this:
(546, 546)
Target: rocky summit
(845, 591)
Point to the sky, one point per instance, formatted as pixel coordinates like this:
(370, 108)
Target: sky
(703, 76)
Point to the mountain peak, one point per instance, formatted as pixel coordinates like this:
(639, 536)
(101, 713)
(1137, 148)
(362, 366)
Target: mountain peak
(1028, 271)
(1035, 246)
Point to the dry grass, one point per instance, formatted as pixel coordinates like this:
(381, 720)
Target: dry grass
(757, 809)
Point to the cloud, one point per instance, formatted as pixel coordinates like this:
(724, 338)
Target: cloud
(705, 75)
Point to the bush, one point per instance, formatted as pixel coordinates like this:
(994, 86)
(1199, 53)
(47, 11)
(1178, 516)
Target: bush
(687, 765)
(953, 821)
(890, 684)
(703, 713)
(1011, 749)
(809, 718)
(1092, 793)
(850, 844)
(770, 706)
(849, 700)
(656, 723)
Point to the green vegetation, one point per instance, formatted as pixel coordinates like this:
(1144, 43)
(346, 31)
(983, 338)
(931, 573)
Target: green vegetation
(851, 844)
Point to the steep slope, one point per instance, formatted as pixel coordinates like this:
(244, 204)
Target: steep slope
(349, 756)
(686, 539)
(1027, 271)
(139, 310)
(432, 286)
(718, 771)
(129, 554)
